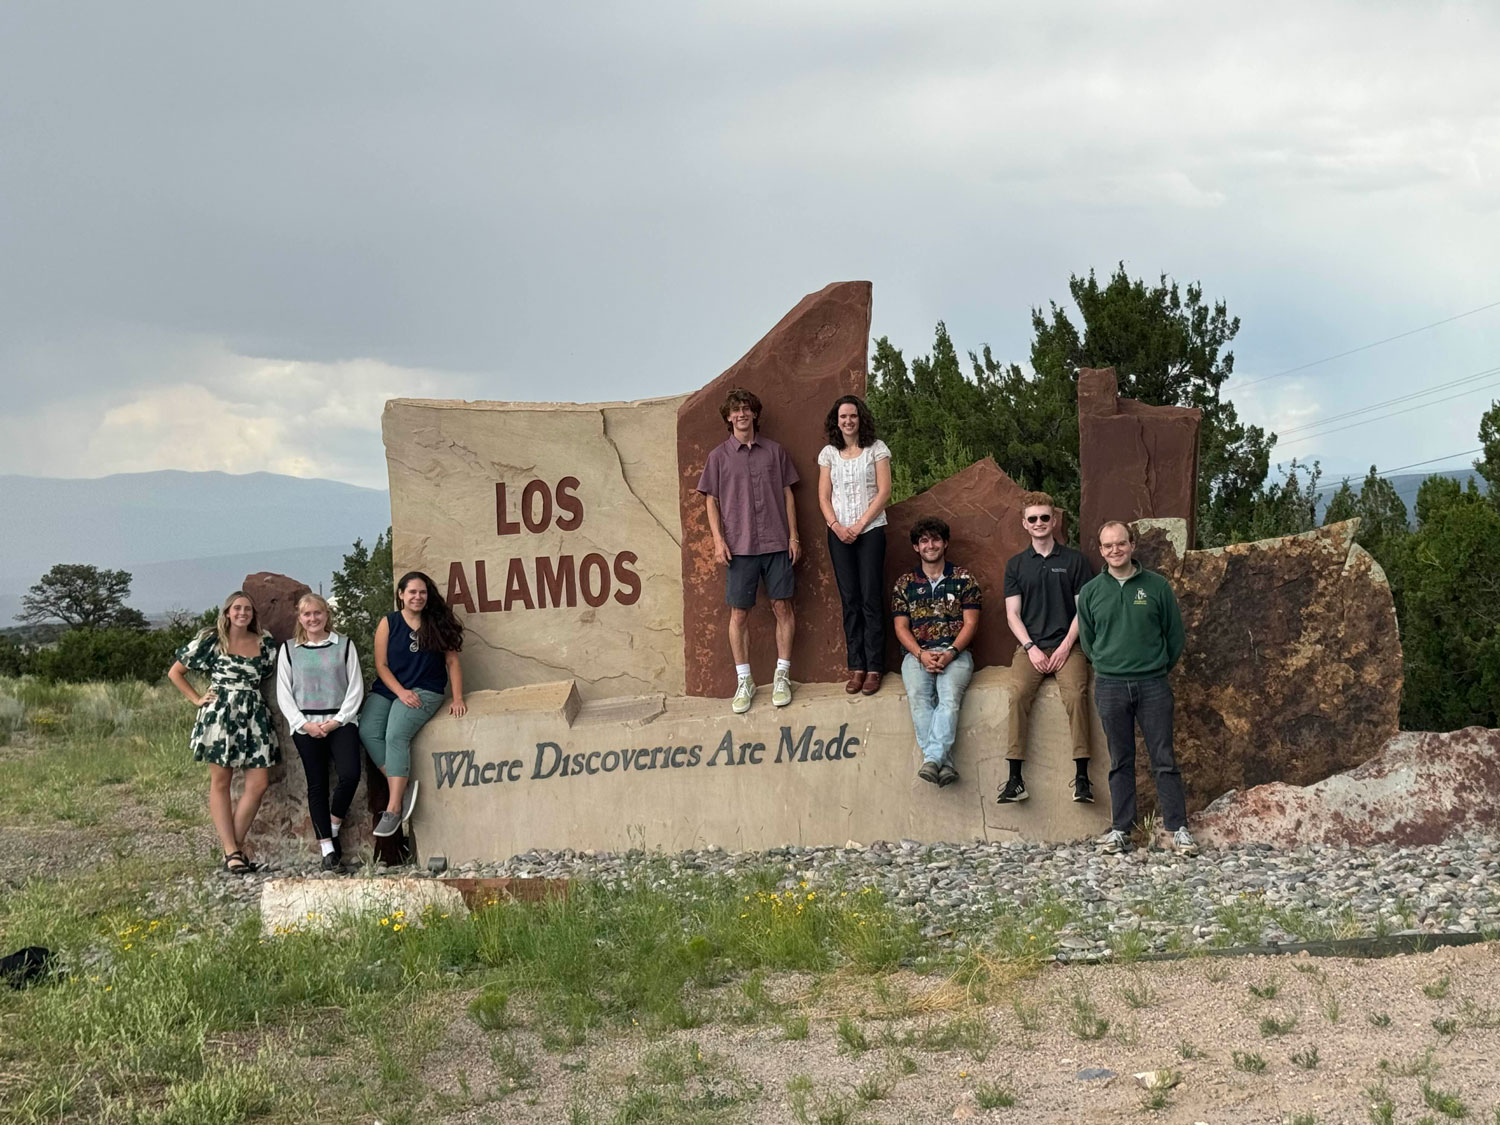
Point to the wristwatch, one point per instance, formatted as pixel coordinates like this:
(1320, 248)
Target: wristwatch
(1028, 646)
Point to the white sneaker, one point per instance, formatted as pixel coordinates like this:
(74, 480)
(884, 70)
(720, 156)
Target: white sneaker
(1183, 841)
(1114, 842)
(781, 688)
(409, 801)
(743, 694)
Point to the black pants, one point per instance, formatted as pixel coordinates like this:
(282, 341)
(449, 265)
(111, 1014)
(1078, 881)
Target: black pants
(859, 569)
(341, 747)
(1121, 705)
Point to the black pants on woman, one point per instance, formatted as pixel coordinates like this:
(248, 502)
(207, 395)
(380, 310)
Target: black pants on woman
(859, 568)
(340, 748)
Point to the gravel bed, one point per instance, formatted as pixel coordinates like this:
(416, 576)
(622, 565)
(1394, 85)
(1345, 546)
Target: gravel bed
(960, 893)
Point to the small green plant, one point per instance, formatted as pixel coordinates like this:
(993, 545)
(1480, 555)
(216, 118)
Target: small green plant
(1271, 1026)
(1029, 1016)
(1380, 1019)
(853, 1038)
(1445, 1025)
(794, 1028)
(1307, 1060)
(967, 1033)
(873, 1088)
(1446, 1104)
(1189, 1051)
(1158, 1098)
(1084, 1020)
(1382, 1108)
(490, 1009)
(1331, 1007)
(512, 1064)
(1302, 1119)
(1138, 993)
(1249, 1062)
(1418, 1066)
(992, 1095)
(1265, 991)
(904, 1063)
(1437, 989)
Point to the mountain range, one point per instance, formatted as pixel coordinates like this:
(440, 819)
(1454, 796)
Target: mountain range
(186, 538)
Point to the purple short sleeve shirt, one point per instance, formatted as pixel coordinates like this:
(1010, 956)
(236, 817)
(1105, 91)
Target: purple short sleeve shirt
(748, 482)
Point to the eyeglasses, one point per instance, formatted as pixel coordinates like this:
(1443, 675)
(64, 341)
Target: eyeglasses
(1039, 519)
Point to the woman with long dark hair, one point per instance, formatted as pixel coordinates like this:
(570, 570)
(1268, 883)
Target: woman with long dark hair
(233, 730)
(854, 485)
(416, 659)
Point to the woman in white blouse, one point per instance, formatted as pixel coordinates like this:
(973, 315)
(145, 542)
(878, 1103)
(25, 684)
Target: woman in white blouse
(854, 484)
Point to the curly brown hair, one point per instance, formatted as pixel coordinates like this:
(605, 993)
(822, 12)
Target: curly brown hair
(1036, 500)
(440, 631)
(866, 436)
(739, 396)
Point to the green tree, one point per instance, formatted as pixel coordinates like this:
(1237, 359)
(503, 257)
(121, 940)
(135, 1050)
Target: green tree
(87, 655)
(1383, 523)
(1342, 505)
(1488, 466)
(1287, 506)
(82, 597)
(364, 592)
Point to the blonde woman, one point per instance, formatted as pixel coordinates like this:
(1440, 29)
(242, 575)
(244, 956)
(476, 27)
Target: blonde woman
(233, 730)
(319, 687)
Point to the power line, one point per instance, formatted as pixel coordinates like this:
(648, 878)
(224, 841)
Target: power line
(1367, 347)
(1389, 402)
(1445, 457)
(1395, 413)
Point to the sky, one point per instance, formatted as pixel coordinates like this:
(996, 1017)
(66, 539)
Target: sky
(228, 233)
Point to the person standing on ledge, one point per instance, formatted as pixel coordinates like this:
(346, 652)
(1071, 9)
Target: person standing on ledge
(854, 483)
(747, 489)
(1041, 593)
(935, 612)
(1131, 630)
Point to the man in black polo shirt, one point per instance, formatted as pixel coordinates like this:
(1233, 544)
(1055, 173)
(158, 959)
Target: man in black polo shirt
(1041, 589)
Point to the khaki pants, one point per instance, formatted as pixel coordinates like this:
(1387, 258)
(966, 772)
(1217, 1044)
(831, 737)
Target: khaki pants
(1072, 679)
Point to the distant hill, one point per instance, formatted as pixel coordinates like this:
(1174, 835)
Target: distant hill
(187, 538)
(1406, 485)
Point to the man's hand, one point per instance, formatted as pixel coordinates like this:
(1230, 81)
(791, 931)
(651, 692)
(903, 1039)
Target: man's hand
(721, 552)
(1039, 659)
(794, 549)
(1059, 657)
(933, 661)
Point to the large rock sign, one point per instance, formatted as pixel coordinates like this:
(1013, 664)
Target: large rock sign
(1135, 461)
(815, 354)
(552, 529)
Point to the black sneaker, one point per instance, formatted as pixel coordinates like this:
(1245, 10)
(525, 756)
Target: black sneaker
(947, 775)
(1083, 792)
(331, 862)
(1015, 790)
(929, 772)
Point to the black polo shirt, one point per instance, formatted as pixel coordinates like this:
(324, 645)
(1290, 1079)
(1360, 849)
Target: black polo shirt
(1049, 587)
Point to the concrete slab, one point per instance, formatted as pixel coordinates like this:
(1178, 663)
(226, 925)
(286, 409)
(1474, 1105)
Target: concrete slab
(319, 905)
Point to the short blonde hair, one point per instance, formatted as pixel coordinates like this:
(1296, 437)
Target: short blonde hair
(1036, 500)
(299, 634)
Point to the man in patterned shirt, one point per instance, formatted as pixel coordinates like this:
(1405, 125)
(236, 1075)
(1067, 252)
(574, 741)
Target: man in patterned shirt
(936, 614)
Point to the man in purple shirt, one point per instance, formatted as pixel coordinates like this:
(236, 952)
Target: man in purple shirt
(747, 486)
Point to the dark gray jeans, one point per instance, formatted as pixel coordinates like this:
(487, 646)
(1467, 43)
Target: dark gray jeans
(1121, 705)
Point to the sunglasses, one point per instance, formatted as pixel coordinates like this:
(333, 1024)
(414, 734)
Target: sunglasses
(1039, 519)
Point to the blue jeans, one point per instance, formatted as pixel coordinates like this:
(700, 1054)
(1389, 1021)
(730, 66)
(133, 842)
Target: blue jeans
(935, 701)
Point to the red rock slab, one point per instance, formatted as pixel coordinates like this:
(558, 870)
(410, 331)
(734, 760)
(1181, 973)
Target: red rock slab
(1136, 461)
(982, 507)
(481, 892)
(1421, 788)
(815, 354)
(275, 597)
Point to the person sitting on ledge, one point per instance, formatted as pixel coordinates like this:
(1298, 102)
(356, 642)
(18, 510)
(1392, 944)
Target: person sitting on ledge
(1131, 631)
(747, 489)
(1041, 589)
(854, 483)
(416, 658)
(935, 611)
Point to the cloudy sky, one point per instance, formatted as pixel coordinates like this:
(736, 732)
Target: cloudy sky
(229, 232)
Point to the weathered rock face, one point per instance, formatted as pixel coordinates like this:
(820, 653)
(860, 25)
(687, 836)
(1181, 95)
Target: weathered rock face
(1421, 788)
(1292, 670)
(552, 530)
(275, 597)
(813, 356)
(982, 507)
(1136, 461)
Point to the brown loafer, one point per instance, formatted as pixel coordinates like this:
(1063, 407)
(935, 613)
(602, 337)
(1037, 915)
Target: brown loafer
(872, 683)
(856, 680)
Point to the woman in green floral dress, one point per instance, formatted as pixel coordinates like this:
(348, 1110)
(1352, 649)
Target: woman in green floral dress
(234, 730)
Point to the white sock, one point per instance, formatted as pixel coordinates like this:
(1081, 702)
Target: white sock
(327, 846)
(742, 669)
(783, 665)
(337, 824)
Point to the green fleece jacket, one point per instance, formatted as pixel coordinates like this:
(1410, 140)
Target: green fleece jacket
(1132, 629)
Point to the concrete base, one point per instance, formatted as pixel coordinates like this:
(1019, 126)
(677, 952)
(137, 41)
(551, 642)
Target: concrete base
(318, 905)
(533, 767)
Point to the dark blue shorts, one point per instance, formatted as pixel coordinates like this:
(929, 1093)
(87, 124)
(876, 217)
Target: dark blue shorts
(746, 571)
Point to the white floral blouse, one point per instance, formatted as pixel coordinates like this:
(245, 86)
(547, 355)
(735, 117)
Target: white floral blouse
(853, 481)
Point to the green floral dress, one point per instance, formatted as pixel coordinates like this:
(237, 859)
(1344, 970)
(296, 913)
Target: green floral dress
(234, 727)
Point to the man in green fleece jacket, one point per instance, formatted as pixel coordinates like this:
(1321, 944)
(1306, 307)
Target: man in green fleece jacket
(1131, 631)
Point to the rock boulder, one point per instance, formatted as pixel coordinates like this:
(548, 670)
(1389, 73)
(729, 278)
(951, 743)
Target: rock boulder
(275, 597)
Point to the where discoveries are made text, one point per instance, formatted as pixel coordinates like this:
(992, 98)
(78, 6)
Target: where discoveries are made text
(462, 768)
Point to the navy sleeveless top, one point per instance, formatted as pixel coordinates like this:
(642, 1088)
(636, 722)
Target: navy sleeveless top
(412, 669)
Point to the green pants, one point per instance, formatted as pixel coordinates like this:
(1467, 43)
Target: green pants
(387, 726)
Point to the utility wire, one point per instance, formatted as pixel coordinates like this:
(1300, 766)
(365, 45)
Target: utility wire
(1446, 457)
(1367, 347)
(1393, 414)
(1389, 402)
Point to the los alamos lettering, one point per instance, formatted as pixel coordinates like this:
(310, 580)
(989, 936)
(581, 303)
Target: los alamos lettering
(463, 768)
